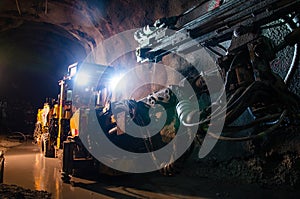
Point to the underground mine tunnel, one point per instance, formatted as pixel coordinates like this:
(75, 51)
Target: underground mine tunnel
(149, 99)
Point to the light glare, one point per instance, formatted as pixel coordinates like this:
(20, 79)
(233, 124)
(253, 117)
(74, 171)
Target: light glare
(114, 81)
(82, 79)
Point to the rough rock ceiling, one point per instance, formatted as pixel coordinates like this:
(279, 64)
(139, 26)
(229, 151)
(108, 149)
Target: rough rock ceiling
(89, 21)
(39, 38)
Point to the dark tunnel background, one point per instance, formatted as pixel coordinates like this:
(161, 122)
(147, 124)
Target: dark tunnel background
(31, 64)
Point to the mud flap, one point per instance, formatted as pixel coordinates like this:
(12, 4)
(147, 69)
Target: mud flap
(49, 150)
(67, 167)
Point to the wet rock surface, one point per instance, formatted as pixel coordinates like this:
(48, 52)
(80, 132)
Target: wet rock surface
(14, 191)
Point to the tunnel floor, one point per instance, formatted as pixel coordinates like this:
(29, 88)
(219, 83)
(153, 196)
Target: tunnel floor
(26, 167)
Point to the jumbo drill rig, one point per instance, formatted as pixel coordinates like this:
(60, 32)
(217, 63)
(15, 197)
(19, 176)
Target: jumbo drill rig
(231, 31)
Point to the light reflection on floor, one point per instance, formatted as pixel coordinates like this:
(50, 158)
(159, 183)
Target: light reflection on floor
(25, 166)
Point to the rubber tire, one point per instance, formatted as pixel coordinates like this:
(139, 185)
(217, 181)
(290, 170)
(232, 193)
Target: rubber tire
(2, 171)
(65, 178)
(176, 167)
(49, 153)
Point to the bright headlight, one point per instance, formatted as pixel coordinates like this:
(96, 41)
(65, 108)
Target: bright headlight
(114, 81)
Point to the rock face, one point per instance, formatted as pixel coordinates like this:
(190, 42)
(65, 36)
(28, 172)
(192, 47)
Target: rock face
(39, 39)
(14, 191)
(87, 22)
(56, 33)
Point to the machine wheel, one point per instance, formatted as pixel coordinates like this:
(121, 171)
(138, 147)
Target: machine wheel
(1, 167)
(176, 167)
(48, 151)
(67, 161)
(66, 178)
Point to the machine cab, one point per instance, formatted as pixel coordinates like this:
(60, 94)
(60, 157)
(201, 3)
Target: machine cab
(90, 91)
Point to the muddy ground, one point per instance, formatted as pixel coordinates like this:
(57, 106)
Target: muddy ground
(271, 171)
(14, 191)
(272, 162)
